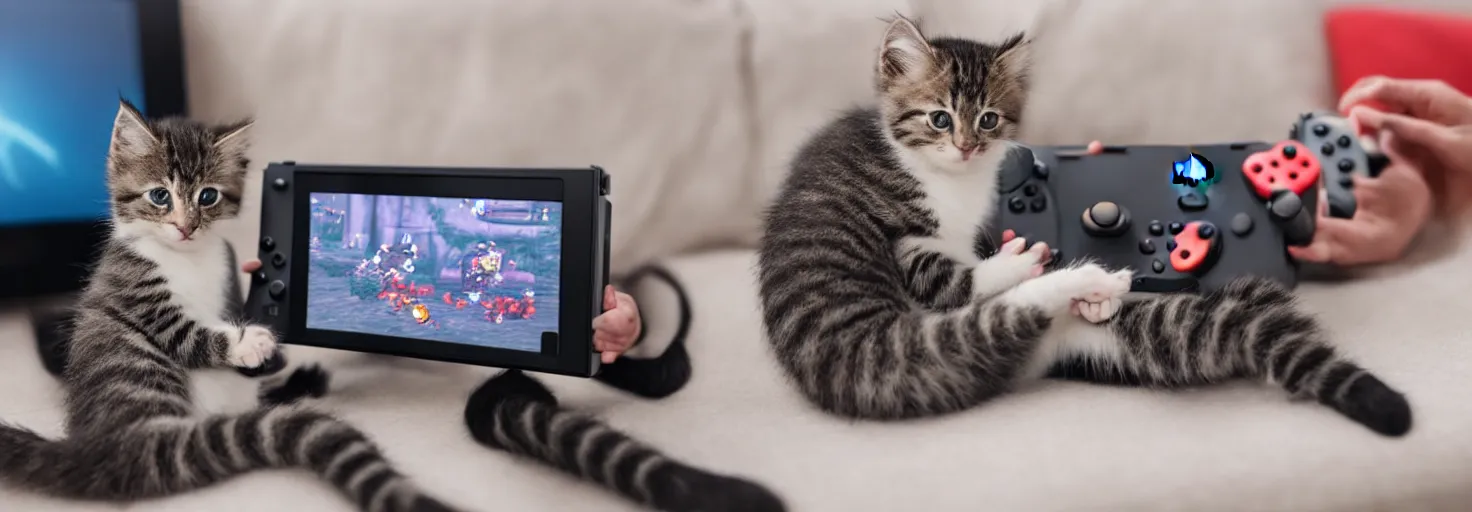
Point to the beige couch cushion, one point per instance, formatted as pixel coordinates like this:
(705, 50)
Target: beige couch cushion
(647, 89)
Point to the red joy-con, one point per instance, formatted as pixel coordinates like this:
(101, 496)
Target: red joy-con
(1195, 247)
(1288, 165)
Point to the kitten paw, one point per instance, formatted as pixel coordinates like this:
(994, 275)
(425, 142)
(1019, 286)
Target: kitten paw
(256, 352)
(1010, 266)
(1063, 289)
(1097, 312)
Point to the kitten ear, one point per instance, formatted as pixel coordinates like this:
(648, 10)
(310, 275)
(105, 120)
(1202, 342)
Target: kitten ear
(1014, 55)
(130, 133)
(904, 54)
(233, 136)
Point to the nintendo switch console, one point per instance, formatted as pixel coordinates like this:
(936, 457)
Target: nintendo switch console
(493, 267)
(1185, 218)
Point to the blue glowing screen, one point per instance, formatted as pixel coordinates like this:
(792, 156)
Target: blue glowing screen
(1194, 171)
(63, 65)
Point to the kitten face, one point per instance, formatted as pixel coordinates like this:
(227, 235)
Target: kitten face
(946, 101)
(172, 179)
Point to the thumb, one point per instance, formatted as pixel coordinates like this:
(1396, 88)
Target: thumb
(609, 300)
(1417, 131)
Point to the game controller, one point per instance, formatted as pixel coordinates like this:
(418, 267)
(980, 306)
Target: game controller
(1326, 143)
(492, 267)
(1185, 218)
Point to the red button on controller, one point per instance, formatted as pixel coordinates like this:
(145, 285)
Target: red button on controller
(1197, 247)
(1289, 165)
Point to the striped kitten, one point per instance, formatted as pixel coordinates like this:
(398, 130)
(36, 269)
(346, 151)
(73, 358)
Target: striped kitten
(515, 413)
(879, 304)
(156, 308)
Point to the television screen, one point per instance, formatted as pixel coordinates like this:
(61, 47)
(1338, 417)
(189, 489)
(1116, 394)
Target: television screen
(471, 271)
(63, 66)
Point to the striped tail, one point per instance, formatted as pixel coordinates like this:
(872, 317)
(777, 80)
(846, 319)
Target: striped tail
(169, 456)
(514, 412)
(1250, 328)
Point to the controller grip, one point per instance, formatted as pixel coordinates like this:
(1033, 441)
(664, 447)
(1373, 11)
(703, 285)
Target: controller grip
(1289, 213)
(1378, 163)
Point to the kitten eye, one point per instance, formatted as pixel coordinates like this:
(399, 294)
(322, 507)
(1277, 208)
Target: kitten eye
(989, 120)
(941, 120)
(208, 197)
(159, 197)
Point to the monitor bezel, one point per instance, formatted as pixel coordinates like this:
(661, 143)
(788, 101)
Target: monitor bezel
(54, 258)
(575, 189)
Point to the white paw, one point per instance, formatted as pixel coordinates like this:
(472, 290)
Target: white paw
(255, 347)
(1092, 283)
(1097, 312)
(1010, 266)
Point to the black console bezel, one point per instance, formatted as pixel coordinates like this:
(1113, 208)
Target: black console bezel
(585, 229)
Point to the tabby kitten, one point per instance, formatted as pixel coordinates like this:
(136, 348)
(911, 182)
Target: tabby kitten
(515, 413)
(880, 304)
(156, 308)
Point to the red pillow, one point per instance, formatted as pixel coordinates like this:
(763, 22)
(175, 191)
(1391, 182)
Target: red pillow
(1367, 41)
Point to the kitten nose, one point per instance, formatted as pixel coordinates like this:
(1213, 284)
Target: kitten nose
(966, 151)
(185, 230)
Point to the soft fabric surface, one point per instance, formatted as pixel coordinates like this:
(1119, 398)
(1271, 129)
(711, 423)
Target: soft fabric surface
(694, 106)
(1399, 43)
(1058, 446)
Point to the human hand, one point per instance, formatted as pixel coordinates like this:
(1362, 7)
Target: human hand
(1428, 100)
(1390, 210)
(615, 331)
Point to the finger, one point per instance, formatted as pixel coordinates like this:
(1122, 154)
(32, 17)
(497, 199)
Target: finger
(1008, 235)
(609, 357)
(1379, 92)
(1425, 133)
(1096, 147)
(250, 266)
(609, 300)
(1326, 243)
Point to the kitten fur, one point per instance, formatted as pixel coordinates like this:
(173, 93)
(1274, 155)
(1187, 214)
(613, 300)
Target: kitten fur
(155, 308)
(515, 413)
(883, 298)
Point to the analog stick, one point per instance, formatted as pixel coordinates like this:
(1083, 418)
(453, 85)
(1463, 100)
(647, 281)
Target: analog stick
(1105, 219)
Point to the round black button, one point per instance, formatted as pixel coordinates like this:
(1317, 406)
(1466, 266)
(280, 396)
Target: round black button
(279, 184)
(1321, 129)
(1176, 227)
(1016, 204)
(1343, 141)
(1030, 190)
(1039, 204)
(268, 244)
(1327, 150)
(1156, 229)
(1158, 266)
(278, 260)
(1185, 253)
(1170, 245)
(1346, 182)
(1346, 165)
(1241, 224)
(1039, 170)
(1192, 201)
(1290, 151)
(277, 289)
(260, 276)
(1147, 246)
(1206, 230)
(1104, 213)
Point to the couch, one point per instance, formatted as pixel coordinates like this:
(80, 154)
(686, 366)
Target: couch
(695, 107)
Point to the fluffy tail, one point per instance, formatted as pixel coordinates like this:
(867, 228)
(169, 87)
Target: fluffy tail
(1251, 328)
(168, 456)
(514, 412)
